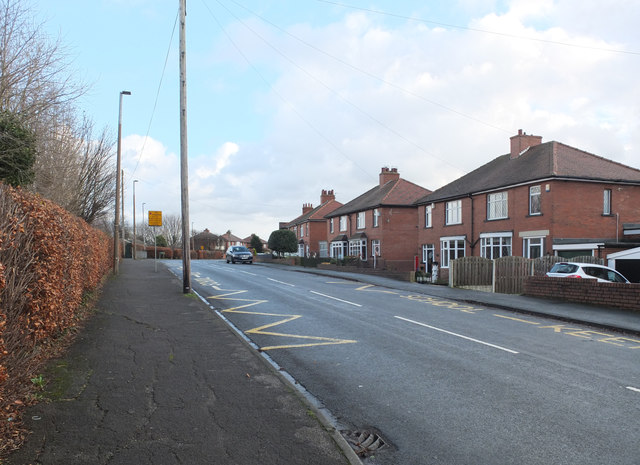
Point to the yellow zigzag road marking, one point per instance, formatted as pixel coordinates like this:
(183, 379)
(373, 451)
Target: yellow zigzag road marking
(367, 287)
(286, 319)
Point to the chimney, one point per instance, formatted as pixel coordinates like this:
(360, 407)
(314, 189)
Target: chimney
(306, 208)
(325, 196)
(388, 174)
(522, 142)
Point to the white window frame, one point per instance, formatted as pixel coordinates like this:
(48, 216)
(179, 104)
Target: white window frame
(494, 245)
(428, 216)
(606, 202)
(375, 246)
(498, 205)
(343, 223)
(535, 207)
(453, 212)
(331, 226)
(376, 217)
(361, 220)
(529, 243)
(358, 248)
(448, 253)
(337, 249)
(425, 252)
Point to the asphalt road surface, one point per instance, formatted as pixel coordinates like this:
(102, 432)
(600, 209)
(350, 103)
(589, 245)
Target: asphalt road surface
(439, 382)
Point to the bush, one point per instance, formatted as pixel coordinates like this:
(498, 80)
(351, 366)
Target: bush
(49, 260)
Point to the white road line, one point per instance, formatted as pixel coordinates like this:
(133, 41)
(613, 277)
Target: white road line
(281, 282)
(457, 335)
(335, 298)
(631, 388)
(248, 272)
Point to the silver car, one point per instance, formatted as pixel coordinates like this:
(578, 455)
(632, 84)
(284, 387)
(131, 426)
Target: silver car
(603, 274)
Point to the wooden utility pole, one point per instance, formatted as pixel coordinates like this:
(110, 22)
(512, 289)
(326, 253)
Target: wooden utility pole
(184, 165)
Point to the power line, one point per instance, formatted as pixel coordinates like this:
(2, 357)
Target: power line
(484, 31)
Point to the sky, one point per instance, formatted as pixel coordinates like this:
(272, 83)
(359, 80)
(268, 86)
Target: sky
(286, 98)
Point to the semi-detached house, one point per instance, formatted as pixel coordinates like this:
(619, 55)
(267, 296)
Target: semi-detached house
(379, 225)
(538, 199)
(310, 227)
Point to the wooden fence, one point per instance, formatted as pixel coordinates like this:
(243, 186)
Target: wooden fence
(505, 275)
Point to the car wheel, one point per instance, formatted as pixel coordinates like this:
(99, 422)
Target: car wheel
(227, 260)
(233, 262)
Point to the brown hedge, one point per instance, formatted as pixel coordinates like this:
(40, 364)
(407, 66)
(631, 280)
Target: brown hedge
(49, 260)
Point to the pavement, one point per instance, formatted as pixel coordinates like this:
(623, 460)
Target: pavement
(157, 378)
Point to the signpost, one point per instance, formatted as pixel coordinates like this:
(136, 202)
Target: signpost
(155, 220)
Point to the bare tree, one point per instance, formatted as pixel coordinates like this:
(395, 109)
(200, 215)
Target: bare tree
(172, 230)
(72, 167)
(75, 169)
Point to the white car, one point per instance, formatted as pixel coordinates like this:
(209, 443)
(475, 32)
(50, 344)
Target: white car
(603, 274)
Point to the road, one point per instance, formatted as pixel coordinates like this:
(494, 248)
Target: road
(440, 382)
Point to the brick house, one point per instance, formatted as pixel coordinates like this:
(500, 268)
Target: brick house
(206, 240)
(382, 221)
(310, 227)
(230, 239)
(541, 198)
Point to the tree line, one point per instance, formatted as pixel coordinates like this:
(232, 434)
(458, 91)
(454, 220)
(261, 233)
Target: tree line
(47, 145)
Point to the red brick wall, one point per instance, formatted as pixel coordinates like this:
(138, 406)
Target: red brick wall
(587, 291)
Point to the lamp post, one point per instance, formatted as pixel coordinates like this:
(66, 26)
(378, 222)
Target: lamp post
(116, 222)
(144, 229)
(133, 254)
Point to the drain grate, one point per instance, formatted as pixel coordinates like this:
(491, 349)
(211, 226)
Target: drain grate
(364, 443)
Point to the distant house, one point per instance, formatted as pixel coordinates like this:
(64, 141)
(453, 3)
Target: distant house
(310, 228)
(247, 243)
(229, 240)
(538, 199)
(206, 240)
(380, 223)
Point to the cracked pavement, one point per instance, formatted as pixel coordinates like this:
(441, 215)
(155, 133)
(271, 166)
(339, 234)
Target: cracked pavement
(157, 378)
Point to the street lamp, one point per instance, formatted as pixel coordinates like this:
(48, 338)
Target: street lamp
(116, 222)
(134, 218)
(144, 229)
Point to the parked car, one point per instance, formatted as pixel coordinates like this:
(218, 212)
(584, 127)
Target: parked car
(239, 253)
(603, 274)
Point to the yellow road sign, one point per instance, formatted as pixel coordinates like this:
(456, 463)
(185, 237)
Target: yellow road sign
(155, 218)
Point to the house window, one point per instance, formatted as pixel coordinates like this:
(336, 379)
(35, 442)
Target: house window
(454, 212)
(307, 229)
(606, 206)
(451, 248)
(331, 226)
(343, 223)
(533, 247)
(338, 249)
(360, 223)
(358, 248)
(497, 206)
(534, 200)
(323, 249)
(376, 218)
(428, 219)
(495, 245)
(375, 248)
